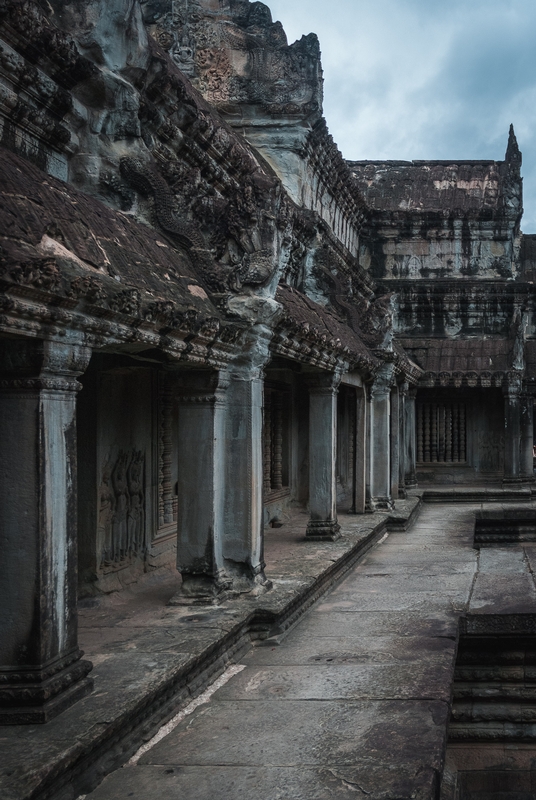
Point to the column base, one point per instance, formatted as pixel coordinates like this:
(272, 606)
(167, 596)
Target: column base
(323, 531)
(402, 494)
(32, 697)
(381, 504)
(246, 580)
(201, 590)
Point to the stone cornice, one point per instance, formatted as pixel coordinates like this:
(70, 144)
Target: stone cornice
(33, 313)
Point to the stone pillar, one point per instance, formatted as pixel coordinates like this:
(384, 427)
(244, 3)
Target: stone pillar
(381, 497)
(360, 465)
(410, 439)
(526, 436)
(395, 441)
(201, 420)
(41, 673)
(512, 430)
(242, 465)
(323, 523)
(403, 390)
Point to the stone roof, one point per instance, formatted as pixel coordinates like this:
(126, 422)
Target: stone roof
(55, 237)
(460, 355)
(311, 320)
(429, 185)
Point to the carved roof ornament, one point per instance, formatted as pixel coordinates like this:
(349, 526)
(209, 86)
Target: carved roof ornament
(513, 153)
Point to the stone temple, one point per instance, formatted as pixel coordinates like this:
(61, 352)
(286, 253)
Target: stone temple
(232, 364)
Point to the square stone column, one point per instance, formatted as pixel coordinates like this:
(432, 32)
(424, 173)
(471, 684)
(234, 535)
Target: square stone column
(41, 672)
(512, 430)
(395, 441)
(403, 389)
(322, 456)
(242, 472)
(526, 437)
(360, 467)
(201, 489)
(380, 439)
(410, 439)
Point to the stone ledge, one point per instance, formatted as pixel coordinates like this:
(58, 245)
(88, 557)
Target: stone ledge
(476, 494)
(148, 662)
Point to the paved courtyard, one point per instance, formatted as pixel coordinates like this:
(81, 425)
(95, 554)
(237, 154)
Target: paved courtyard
(356, 699)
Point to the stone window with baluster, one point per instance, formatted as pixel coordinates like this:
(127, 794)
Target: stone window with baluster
(441, 432)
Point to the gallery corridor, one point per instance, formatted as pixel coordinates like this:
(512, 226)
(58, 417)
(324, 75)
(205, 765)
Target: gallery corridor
(356, 699)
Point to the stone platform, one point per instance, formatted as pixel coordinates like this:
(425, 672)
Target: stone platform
(356, 699)
(150, 659)
(472, 493)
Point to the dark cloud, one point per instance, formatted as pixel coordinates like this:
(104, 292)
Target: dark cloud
(422, 79)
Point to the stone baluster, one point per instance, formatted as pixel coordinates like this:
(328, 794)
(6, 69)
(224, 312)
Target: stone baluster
(277, 438)
(322, 456)
(463, 441)
(456, 432)
(420, 432)
(41, 671)
(167, 489)
(448, 432)
(433, 432)
(441, 456)
(427, 432)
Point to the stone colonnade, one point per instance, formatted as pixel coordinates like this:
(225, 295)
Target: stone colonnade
(219, 488)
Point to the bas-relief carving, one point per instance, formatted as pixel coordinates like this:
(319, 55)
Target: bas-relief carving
(239, 56)
(121, 521)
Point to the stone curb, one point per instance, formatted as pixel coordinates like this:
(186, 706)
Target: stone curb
(94, 753)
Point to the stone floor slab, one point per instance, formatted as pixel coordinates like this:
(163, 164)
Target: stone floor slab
(342, 681)
(308, 733)
(354, 649)
(268, 783)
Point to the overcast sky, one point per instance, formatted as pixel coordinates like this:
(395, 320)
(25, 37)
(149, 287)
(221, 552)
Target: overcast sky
(426, 79)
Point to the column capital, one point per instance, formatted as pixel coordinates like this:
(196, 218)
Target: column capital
(200, 387)
(403, 389)
(323, 382)
(513, 385)
(36, 365)
(383, 380)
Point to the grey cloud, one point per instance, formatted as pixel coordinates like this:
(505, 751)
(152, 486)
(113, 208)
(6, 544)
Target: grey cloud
(423, 79)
